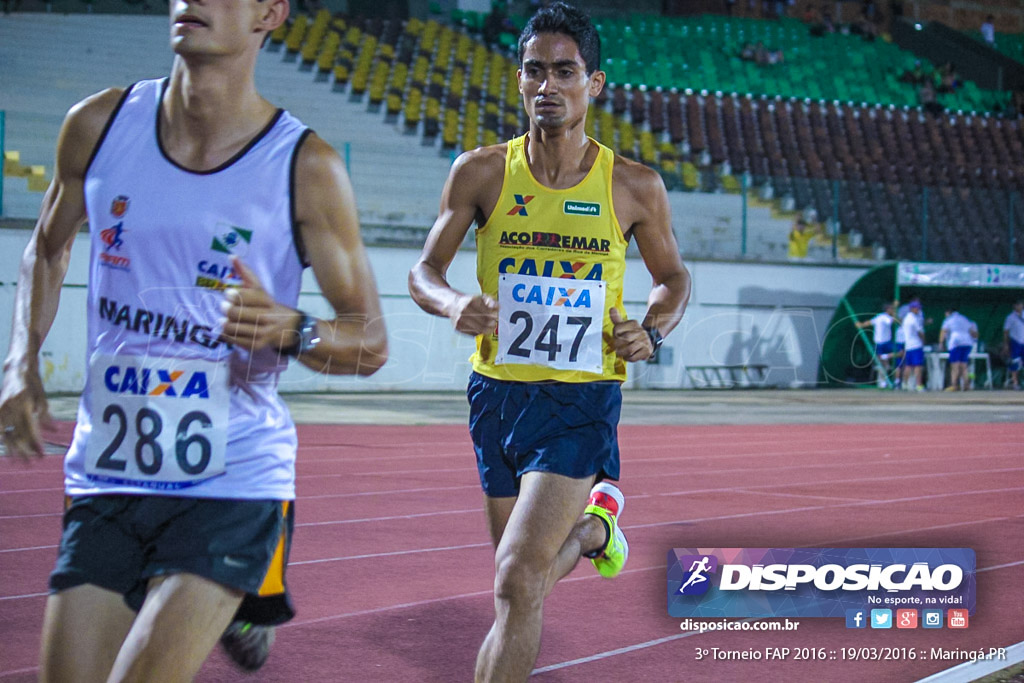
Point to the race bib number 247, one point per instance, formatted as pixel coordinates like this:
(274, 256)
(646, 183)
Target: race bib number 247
(553, 322)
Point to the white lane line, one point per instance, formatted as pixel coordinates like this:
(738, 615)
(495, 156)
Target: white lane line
(810, 508)
(694, 472)
(392, 517)
(393, 553)
(828, 482)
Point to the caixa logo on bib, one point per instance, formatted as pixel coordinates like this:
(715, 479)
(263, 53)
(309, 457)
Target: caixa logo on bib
(816, 582)
(570, 297)
(140, 381)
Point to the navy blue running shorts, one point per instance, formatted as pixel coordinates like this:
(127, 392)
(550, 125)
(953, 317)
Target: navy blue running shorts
(960, 354)
(559, 427)
(120, 542)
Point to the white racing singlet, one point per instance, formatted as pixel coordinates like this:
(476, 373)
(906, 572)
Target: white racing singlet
(168, 408)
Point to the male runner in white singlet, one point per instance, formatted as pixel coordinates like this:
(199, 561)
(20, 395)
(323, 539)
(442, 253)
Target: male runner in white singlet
(204, 203)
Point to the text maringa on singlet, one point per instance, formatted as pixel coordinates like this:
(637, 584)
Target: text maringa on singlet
(157, 324)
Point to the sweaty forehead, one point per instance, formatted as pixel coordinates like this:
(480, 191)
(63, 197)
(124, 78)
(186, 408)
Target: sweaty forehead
(551, 48)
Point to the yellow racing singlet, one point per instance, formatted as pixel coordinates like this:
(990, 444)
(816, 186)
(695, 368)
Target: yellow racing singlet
(554, 260)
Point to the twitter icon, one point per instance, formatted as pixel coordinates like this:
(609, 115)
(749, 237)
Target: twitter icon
(881, 618)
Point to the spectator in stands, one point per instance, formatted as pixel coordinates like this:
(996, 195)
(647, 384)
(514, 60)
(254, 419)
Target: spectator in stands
(866, 28)
(494, 24)
(949, 80)
(826, 26)
(882, 325)
(799, 239)
(1016, 107)
(928, 99)
(1013, 342)
(988, 31)
(913, 360)
(958, 334)
(730, 5)
(914, 76)
(761, 53)
(811, 15)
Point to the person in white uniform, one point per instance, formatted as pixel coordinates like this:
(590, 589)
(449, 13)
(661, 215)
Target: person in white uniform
(913, 359)
(205, 203)
(958, 335)
(1013, 341)
(881, 326)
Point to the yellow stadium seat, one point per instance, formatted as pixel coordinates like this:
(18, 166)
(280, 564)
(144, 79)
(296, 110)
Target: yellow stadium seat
(37, 180)
(12, 163)
(730, 184)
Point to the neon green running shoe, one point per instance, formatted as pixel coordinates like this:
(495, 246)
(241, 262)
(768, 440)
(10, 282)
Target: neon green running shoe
(248, 645)
(607, 503)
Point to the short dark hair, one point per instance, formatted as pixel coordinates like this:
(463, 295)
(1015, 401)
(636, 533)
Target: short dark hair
(563, 18)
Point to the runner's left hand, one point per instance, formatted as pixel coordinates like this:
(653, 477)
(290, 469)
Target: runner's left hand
(630, 341)
(253, 320)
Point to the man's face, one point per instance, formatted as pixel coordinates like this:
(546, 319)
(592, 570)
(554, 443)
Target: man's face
(218, 27)
(554, 82)
(1019, 307)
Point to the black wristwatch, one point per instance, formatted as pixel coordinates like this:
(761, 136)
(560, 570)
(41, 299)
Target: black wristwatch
(656, 339)
(308, 339)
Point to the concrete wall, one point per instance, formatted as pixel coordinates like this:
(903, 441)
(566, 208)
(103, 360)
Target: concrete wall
(740, 313)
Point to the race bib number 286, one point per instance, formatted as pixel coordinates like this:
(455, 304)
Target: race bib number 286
(159, 424)
(553, 322)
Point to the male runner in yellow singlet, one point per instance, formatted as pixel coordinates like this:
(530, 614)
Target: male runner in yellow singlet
(555, 212)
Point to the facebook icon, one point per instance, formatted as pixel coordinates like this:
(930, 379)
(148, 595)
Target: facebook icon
(856, 618)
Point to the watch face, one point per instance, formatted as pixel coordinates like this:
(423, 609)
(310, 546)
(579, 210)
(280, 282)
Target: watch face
(308, 337)
(656, 338)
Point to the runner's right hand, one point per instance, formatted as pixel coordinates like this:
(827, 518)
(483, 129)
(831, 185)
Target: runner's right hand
(23, 409)
(474, 315)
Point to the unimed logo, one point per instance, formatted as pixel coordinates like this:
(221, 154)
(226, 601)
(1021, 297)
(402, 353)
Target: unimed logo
(581, 208)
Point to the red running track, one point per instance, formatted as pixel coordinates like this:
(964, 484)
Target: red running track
(391, 567)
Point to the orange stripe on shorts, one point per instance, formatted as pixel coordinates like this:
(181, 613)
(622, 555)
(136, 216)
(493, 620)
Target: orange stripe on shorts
(273, 581)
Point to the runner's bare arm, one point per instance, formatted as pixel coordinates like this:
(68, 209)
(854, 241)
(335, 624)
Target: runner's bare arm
(470, 193)
(41, 274)
(641, 203)
(355, 340)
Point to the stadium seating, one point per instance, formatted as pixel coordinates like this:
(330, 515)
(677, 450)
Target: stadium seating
(878, 171)
(703, 53)
(802, 131)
